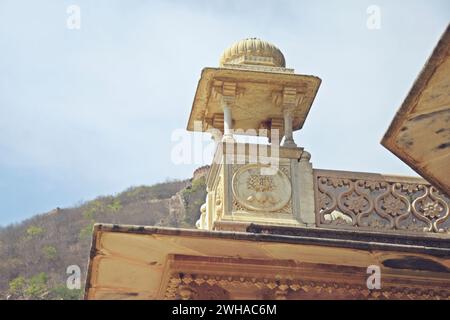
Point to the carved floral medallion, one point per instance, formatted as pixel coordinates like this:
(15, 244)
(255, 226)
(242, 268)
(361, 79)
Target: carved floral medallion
(254, 189)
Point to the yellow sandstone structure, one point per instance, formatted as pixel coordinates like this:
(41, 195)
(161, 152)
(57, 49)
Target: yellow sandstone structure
(272, 226)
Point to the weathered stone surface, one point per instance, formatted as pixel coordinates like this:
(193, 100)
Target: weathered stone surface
(178, 264)
(420, 132)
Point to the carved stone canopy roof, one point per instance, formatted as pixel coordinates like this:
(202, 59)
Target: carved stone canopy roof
(253, 78)
(253, 51)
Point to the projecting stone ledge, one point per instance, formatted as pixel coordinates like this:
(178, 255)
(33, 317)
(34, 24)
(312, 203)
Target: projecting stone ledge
(318, 264)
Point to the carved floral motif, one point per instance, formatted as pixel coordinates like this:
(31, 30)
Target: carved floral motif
(431, 209)
(355, 203)
(373, 185)
(410, 188)
(260, 183)
(393, 206)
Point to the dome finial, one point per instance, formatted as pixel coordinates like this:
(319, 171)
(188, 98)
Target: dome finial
(253, 51)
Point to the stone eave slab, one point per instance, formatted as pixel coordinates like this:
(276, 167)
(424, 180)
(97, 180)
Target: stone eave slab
(256, 88)
(128, 262)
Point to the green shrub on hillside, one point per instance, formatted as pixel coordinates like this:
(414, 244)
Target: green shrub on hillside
(17, 286)
(63, 293)
(32, 288)
(93, 208)
(37, 286)
(49, 252)
(34, 231)
(115, 205)
(86, 232)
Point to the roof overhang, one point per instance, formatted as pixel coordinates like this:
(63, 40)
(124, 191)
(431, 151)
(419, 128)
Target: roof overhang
(131, 262)
(420, 131)
(258, 97)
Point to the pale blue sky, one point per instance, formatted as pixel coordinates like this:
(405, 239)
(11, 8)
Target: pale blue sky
(91, 111)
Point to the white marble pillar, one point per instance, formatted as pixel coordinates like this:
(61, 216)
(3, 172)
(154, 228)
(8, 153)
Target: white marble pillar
(227, 123)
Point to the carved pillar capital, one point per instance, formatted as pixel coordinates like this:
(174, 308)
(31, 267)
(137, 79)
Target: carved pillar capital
(289, 97)
(228, 101)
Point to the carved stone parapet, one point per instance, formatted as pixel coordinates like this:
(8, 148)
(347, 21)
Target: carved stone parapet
(383, 203)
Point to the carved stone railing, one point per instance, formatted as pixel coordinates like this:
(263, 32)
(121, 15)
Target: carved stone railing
(375, 202)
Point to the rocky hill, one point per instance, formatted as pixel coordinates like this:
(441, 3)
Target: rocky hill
(35, 253)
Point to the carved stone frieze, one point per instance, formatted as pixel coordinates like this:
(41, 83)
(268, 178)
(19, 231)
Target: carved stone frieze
(294, 288)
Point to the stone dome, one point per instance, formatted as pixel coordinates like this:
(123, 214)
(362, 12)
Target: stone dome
(253, 51)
